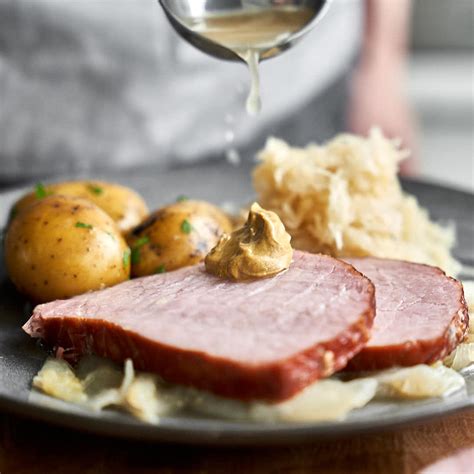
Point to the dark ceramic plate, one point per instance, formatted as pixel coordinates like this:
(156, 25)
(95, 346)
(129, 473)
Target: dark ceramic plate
(20, 357)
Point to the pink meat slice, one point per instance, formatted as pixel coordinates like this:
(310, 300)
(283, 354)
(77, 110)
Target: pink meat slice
(264, 339)
(459, 463)
(421, 314)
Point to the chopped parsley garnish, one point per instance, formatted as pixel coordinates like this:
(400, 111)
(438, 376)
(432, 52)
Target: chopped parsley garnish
(112, 236)
(93, 188)
(126, 258)
(141, 242)
(136, 248)
(161, 269)
(41, 192)
(82, 225)
(13, 213)
(186, 227)
(182, 198)
(135, 255)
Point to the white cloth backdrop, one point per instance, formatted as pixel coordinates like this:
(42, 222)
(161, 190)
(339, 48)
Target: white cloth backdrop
(107, 83)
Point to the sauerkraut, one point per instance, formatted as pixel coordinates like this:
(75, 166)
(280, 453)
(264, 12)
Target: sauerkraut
(344, 199)
(418, 382)
(98, 384)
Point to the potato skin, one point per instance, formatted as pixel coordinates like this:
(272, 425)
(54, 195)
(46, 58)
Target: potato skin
(123, 204)
(63, 246)
(176, 236)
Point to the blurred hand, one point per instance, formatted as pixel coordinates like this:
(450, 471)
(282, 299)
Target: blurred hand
(377, 98)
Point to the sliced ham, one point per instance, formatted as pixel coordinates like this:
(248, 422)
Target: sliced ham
(461, 462)
(264, 339)
(421, 315)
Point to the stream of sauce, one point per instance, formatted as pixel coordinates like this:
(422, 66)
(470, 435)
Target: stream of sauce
(252, 36)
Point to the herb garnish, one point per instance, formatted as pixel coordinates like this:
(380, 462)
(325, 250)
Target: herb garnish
(41, 192)
(82, 225)
(93, 188)
(141, 242)
(135, 256)
(182, 198)
(13, 213)
(161, 269)
(126, 258)
(136, 248)
(186, 227)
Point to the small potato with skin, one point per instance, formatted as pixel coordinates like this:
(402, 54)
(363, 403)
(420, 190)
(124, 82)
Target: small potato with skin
(122, 204)
(63, 246)
(176, 236)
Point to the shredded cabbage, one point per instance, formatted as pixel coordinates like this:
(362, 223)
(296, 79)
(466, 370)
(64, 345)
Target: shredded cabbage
(57, 378)
(344, 199)
(148, 398)
(419, 381)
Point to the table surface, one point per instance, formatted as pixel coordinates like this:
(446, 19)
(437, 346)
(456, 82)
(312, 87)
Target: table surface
(30, 447)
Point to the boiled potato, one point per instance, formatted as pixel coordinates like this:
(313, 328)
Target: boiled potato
(63, 246)
(122, 204)
(176, 236)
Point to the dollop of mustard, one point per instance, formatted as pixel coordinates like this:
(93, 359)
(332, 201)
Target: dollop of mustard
(260, 249)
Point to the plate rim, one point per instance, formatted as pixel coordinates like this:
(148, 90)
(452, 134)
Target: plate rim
(214, 432)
